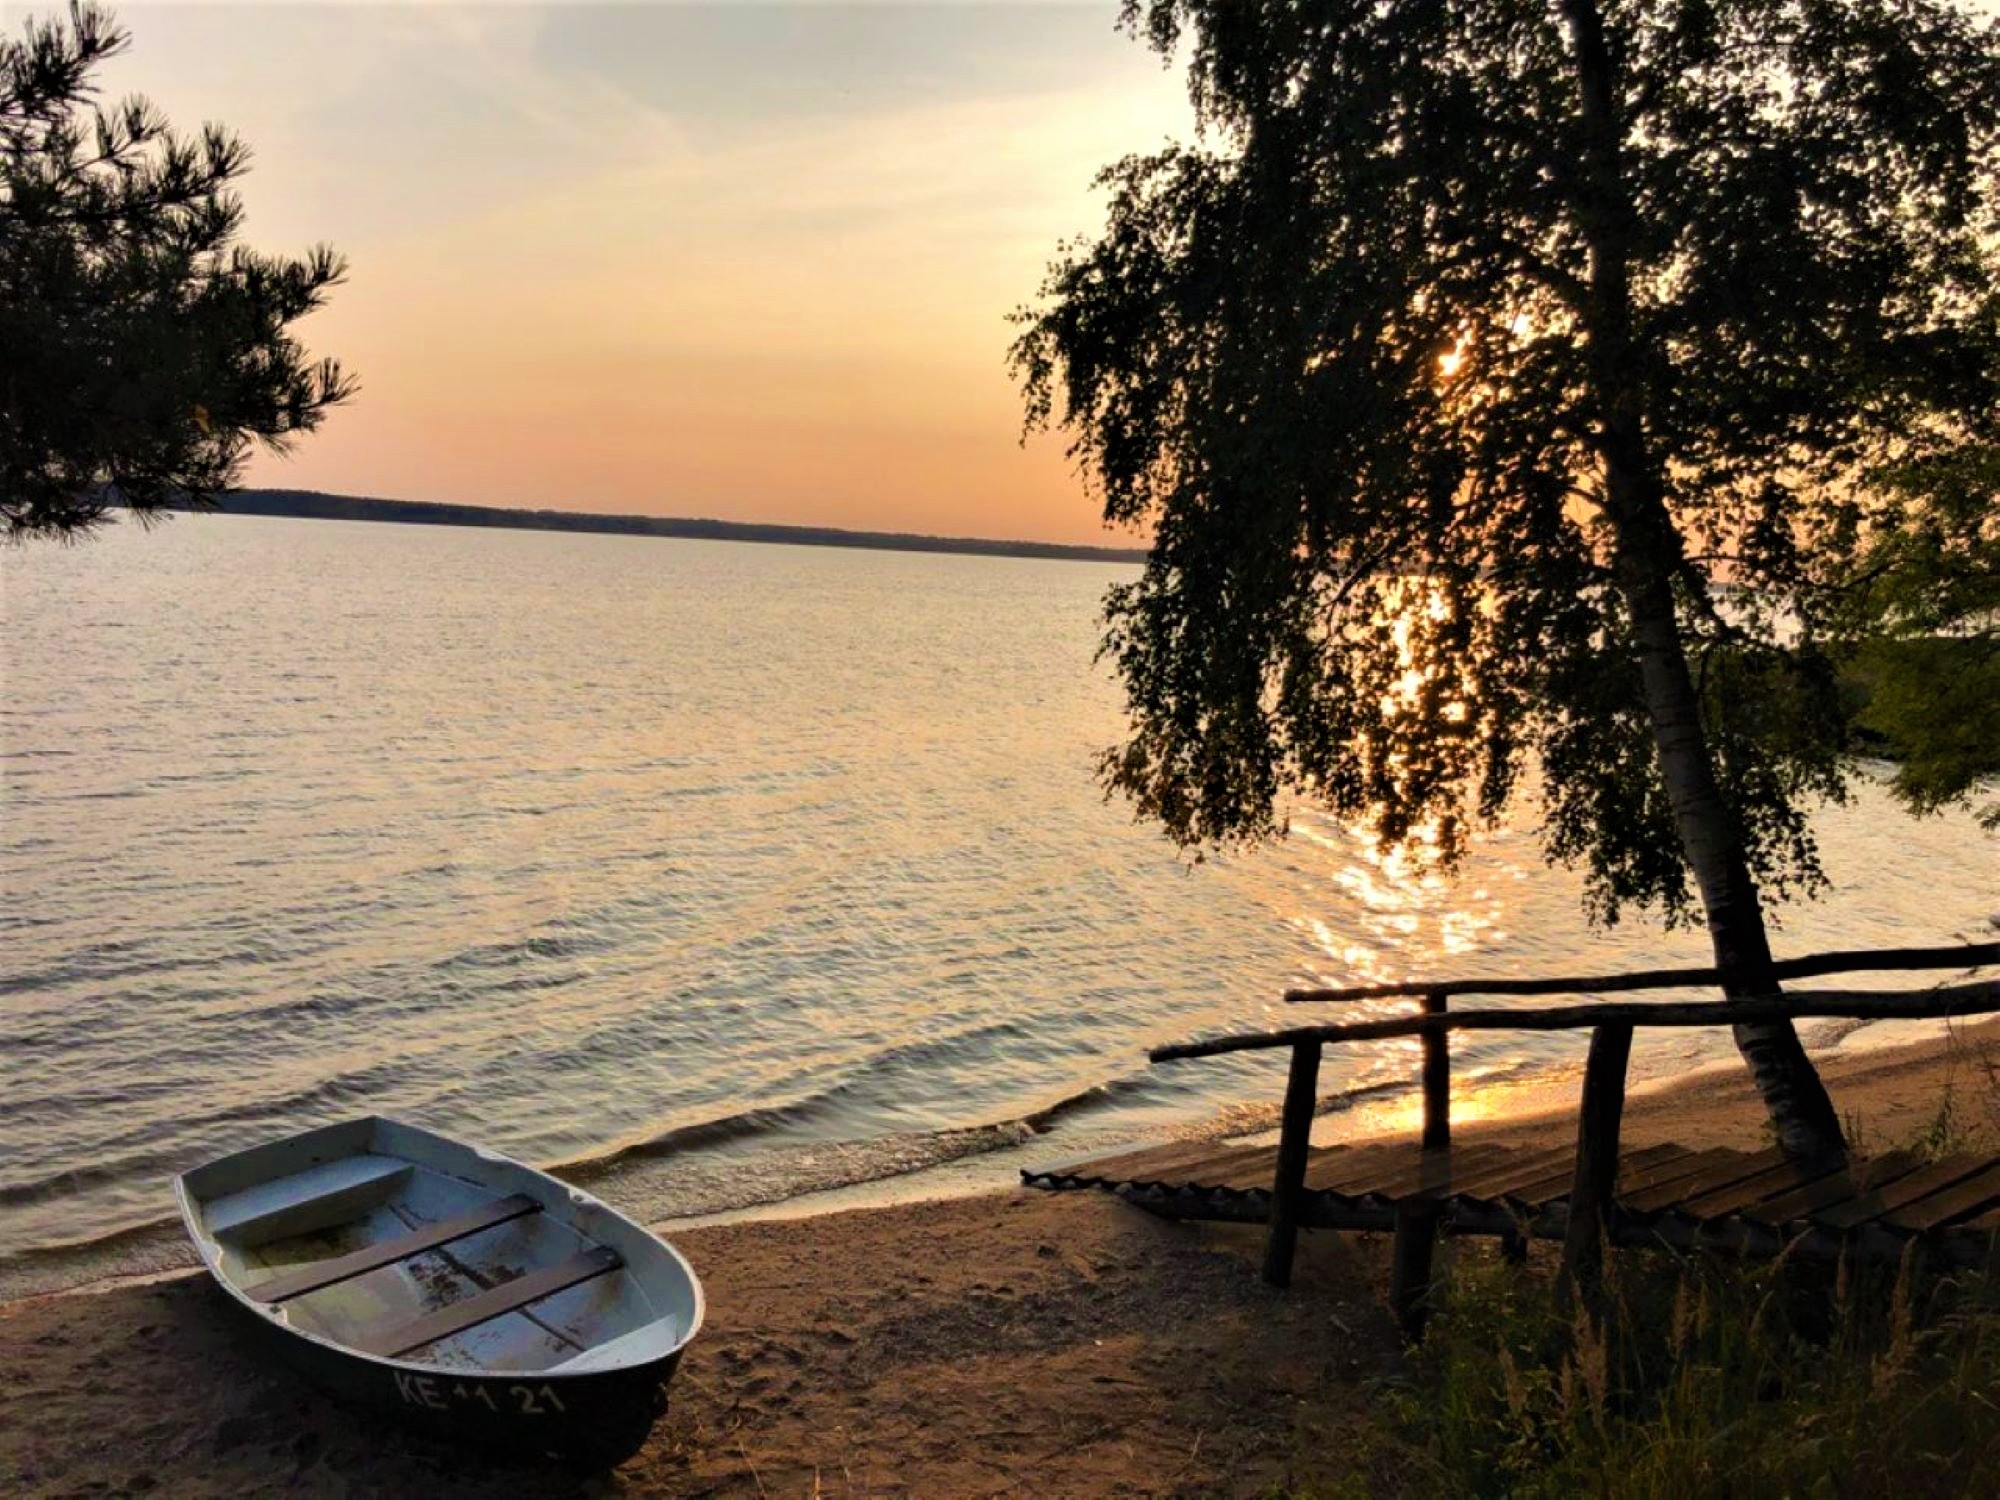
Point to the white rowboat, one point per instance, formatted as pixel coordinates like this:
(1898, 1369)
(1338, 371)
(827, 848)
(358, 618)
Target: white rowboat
(409, 1271)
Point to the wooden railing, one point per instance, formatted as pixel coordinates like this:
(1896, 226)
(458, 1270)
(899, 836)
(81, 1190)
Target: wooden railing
(1809, 966)
(1601, 1107)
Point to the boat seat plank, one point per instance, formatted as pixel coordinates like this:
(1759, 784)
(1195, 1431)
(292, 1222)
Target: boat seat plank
(494, 1302)
(331, 1186)
(325, 1273)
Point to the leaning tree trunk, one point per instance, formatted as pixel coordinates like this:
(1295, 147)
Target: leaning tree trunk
(1648, 551)
(1797, 1100)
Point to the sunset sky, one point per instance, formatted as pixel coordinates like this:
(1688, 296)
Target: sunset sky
(730, 259)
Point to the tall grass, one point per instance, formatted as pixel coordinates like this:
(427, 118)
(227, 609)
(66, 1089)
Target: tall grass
(1705, 1377)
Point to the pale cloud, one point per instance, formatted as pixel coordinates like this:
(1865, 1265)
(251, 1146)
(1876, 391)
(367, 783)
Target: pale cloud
(753, 264)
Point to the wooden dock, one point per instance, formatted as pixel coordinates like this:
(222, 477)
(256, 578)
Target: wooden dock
(1594, 1194)
(1749, 1202)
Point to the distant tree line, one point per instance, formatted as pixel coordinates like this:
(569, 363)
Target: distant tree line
(318, 506)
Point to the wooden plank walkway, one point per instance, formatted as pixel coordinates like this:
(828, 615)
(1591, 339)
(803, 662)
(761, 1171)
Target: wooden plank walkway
(1750, 1202)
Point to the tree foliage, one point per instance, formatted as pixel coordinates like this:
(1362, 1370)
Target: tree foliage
(1925, 632)
(142, 351)
(1351, 356)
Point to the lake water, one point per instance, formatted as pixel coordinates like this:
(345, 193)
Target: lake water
(721, 872)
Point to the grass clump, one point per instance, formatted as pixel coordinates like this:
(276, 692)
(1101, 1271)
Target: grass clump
(1705, 1378)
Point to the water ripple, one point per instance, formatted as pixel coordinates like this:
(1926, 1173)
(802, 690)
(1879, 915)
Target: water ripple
(719, 872)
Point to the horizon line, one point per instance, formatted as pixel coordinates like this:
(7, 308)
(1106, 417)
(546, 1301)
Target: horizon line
(324, 505)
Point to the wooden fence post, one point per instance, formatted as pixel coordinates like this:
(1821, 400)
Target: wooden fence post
(1294, 1137)
(1414, 1250)
(1437, 1077)
(1411, 1255)
(1590, 1193)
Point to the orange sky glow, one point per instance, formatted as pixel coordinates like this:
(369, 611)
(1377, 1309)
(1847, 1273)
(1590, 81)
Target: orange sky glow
(737, 260)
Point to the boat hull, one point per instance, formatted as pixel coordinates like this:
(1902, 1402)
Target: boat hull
(446, 1287)
(596, 1420)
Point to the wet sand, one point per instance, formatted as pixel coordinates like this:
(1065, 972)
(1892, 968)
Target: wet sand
(1012, 1343)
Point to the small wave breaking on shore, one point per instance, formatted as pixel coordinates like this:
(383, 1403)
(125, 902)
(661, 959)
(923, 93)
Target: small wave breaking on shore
(735, 1162)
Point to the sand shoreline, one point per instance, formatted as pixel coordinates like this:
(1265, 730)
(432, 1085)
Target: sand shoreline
(1001, 1343)
(145, 1252)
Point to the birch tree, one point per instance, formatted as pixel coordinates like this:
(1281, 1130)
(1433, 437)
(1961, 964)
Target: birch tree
(1566, 383)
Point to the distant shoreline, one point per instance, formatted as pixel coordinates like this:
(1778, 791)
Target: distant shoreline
(319, 506)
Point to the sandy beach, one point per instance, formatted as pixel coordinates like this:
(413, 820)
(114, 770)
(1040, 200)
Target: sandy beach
(1012, 1343)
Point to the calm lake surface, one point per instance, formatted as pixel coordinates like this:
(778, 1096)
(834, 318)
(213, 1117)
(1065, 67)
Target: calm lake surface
(722, 872)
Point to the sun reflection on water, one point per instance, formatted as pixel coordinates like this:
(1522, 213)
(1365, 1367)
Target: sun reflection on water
(1403, 913)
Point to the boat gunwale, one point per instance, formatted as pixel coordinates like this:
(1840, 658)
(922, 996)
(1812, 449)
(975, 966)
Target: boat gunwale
(208, 1248)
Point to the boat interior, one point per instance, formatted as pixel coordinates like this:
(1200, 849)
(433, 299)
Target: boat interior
(400, 1244)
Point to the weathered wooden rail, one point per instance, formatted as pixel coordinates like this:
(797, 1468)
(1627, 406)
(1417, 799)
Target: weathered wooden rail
(1825, 1199)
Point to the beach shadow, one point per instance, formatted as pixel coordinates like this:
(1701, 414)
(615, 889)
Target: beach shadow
(1011, 1344)
(168, 1387)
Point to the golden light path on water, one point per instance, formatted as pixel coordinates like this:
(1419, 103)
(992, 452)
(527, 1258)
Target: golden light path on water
(1401, 897)
(724, 873)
